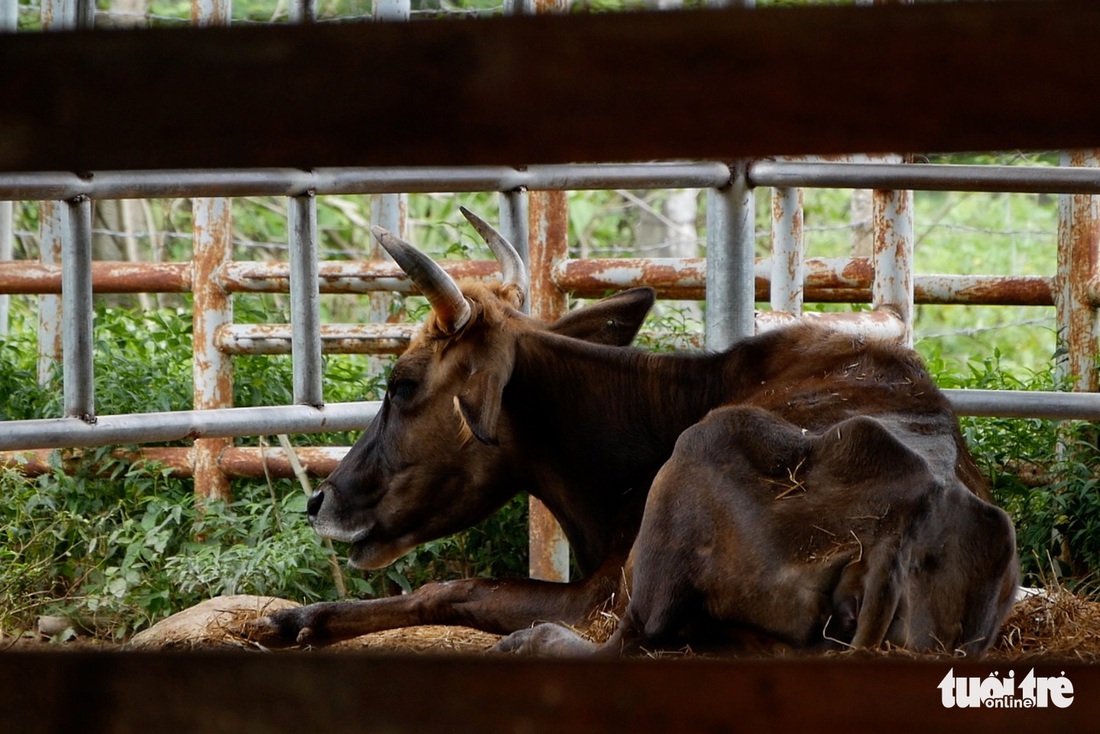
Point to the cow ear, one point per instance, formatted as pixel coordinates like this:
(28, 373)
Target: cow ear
(480, 401)
(613, 321)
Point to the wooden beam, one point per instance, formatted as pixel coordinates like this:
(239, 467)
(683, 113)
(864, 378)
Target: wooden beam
(706, 83)
(243, 693)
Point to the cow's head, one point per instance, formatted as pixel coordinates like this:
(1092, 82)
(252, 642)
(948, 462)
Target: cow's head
(441, 455)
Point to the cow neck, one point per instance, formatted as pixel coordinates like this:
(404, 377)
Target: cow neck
(600, 422)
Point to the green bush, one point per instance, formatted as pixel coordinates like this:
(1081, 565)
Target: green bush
(120, 546)
(1041, 471)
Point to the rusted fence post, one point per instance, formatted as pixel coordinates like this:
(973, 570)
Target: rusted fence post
(892, 257)
(1075, 286)
(548, 243)
(213, 307)
(787, 261)
(544, 232)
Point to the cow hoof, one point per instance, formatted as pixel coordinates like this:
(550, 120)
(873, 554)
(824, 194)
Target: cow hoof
(284, 628)
(548, 640)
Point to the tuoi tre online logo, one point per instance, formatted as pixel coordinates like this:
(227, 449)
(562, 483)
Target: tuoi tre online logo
(1031, 691)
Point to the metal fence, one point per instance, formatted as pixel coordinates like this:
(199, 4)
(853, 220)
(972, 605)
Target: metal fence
(731, 278)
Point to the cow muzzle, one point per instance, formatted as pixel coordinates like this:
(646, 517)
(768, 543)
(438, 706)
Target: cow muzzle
(313, 506)
(324, 518)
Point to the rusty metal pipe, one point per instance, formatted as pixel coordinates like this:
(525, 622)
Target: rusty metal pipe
(827, 280)
(372, 338)
(879, 324)
(788, 252)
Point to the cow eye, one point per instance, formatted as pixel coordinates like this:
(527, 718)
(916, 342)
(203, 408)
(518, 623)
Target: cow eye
(403, 389)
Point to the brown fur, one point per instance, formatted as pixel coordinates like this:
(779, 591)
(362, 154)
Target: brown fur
(804, 485)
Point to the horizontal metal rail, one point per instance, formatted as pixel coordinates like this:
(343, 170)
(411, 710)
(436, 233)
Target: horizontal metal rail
(335, 338)
(925, 177)
(1026, 404)
(269, 420)
(825, 280)
(701, 175)
(107, 430)
(296, 182)
(236, 462)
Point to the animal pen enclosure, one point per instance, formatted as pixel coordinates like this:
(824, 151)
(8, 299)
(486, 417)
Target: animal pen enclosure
(732, 281)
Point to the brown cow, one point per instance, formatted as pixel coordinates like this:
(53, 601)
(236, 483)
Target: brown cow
(808, 488)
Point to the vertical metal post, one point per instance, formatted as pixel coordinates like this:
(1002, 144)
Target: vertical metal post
(892, 256)
(515, 223)
(53, 218)
(76, 308)
(540, 220)
(9, 16)
(56, 15)
(213, 307)
(1078, 243)
(6, 253)
(731, 254)
(788, 252)
(390, 211)
(548, 243)
(392, 10)
(539, 223)
(304, 11)
(305, 300)
(892, 244)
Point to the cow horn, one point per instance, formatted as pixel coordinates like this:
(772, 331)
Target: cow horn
(450, 306)
(511, 264)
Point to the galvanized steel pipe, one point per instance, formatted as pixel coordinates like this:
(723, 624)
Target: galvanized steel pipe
(9, 16)
(76, 310)
(1026, 404)
(731, 242)
(6, 244)
(185, 425)
(892, 256)
(305, 303)
(924, 177)
(412, 180)
(701, 175)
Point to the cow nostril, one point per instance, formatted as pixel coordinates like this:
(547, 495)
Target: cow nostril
(315, 501)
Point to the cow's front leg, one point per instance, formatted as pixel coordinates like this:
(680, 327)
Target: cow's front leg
(500, 606)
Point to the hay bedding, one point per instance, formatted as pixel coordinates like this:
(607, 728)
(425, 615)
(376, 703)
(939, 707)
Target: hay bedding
(1056, 625)
(217, 624)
